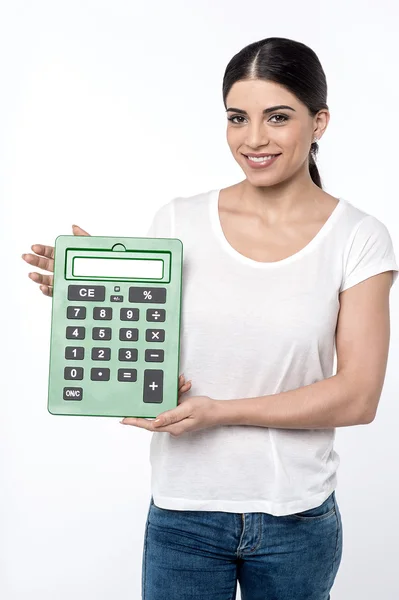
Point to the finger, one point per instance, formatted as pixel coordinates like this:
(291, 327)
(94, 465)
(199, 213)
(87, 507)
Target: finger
(47, 290)
(139, 422)
(44, 259)
(78, 230)
(41, 278)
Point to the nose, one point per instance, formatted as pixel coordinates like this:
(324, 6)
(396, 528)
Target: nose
(256, 137)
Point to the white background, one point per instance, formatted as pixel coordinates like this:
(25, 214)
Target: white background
(108, 110)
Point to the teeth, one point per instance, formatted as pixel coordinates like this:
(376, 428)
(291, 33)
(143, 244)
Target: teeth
(262, 158)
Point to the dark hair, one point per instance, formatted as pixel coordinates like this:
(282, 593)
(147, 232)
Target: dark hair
(290, 64)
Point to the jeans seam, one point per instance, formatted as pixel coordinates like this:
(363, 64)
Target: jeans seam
(336, 540)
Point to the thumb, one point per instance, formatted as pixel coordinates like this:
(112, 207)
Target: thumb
(78, 230)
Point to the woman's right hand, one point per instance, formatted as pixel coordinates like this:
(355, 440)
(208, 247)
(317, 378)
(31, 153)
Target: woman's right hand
(44, 259)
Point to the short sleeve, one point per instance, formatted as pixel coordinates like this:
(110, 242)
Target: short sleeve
(162, 222)
(371, 252)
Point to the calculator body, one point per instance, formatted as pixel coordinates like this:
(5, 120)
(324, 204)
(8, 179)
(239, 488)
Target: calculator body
(115, 326)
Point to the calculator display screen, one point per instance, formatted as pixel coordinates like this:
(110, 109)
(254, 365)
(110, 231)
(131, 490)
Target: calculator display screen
(118, 267)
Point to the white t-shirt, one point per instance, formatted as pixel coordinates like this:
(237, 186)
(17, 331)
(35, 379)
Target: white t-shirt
(249, 329)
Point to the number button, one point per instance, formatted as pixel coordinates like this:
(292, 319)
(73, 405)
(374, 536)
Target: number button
(73, 373)
(99, 374)
(102, 333)
(74, 352)
(129, 314)
(102, 313)
(75, 333)
(101, 354)
(76, 312)
(127, 374)
(155, 335)
(128, 354)
(130, 335)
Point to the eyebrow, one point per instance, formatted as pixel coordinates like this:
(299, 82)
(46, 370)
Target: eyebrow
(266, 110)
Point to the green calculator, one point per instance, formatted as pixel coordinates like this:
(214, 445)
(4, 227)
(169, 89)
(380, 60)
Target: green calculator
(115, 326)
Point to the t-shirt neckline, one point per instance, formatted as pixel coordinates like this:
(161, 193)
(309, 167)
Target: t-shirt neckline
(214, 214)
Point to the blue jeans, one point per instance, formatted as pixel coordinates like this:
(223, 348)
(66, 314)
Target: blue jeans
(201, 555)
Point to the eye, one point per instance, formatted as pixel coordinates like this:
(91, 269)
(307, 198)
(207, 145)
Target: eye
(284, 118)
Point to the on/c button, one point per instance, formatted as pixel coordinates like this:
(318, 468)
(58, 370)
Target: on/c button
(73, 393)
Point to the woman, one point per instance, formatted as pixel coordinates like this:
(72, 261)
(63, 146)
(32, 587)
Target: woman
(277, 272)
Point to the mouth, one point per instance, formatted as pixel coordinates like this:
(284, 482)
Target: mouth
(261, 161)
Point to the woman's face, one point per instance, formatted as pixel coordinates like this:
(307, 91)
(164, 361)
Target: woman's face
(286, 131)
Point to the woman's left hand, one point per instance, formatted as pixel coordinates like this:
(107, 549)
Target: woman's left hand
(191, 414)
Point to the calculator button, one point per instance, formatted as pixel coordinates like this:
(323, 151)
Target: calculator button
(73, 393)
(86, 293)
(73, 373)
(154, 355)
(75, 352)
(129, 314)
(76, 312)
(147, 294)
(115, 298)
(102, 313)
(153, 385)
(99, 374)
(127, 374)
(117, 288)
(75, 333)
(101, 354)
(156, 314)
(155, 335)
(127, 354)
(128, 335)
(102, 333)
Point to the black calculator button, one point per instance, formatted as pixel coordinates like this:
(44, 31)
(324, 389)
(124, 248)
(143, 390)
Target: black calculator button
(76, 312)
(117, 288)
(127, 374)
(74, 352)
(147, 294)
(75, 333)
(128, 354)
(154, 355)
(129, 314)
(73, 393)
(101, 354)
(128, 335)
(102, 333)
(156, 314)
(99, 374)
(155, 335)
(102, 313)
(73, 373)
(153, 385)
(86, 293)
(116, 298)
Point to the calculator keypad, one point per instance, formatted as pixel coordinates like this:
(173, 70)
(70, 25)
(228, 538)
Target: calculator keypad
(153, 378)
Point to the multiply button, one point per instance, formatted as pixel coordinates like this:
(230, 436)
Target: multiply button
(156, 314)
(147, 294)
(86, 293)
(153, 385)
(155, 335)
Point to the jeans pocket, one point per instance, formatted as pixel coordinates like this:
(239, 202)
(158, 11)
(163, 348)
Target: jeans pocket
(319, 513)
